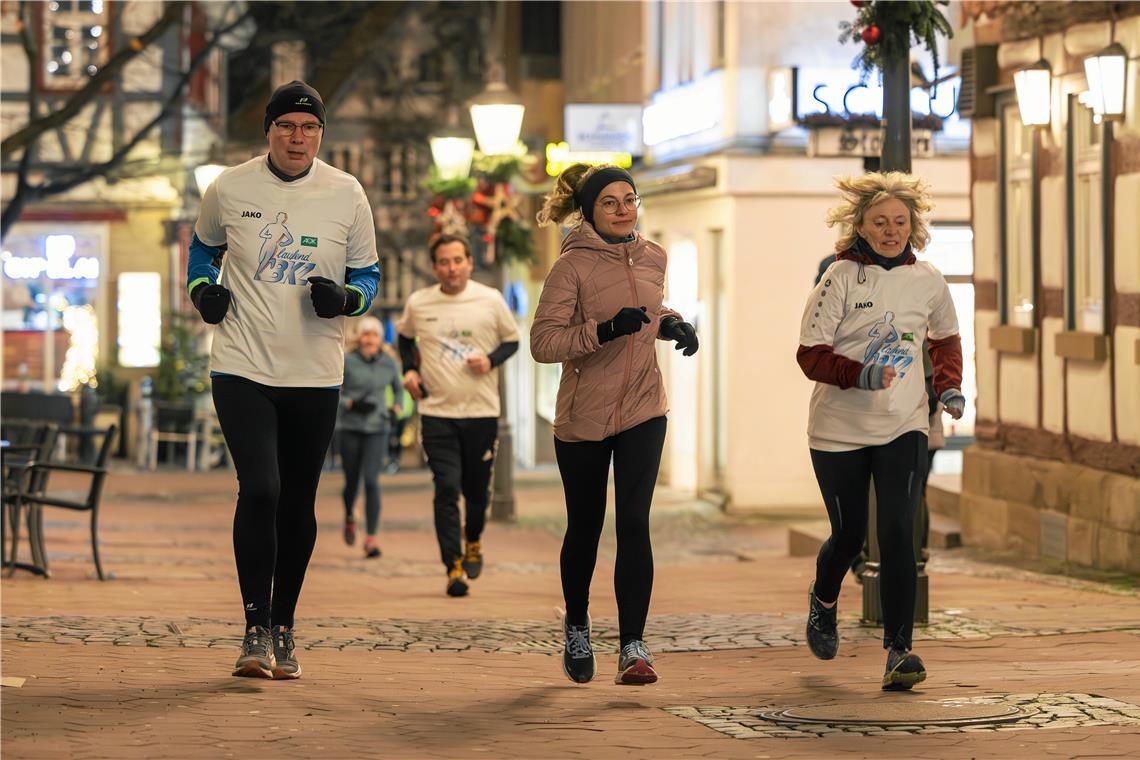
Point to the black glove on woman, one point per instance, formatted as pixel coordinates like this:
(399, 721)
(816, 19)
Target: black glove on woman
(211, 301)
(626, 322)
(329, 299)
(682, 332)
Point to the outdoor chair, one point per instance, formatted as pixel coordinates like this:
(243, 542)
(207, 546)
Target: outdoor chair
(173, 423)
(64, 500)
(27, 442)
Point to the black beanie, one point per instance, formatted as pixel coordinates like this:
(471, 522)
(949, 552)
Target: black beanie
(588, 194)
(292, 98)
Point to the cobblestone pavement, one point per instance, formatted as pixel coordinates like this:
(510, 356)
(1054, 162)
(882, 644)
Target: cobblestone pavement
(138, 667)
(668, 633)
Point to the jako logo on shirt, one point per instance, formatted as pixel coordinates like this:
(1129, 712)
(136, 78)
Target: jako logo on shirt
(251, 215)
(864, 304)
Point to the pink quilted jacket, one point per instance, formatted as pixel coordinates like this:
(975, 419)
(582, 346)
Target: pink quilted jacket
(612, 387)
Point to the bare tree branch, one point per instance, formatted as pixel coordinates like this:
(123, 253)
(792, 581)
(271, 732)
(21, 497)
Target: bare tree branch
(36, 127)
(26, 193)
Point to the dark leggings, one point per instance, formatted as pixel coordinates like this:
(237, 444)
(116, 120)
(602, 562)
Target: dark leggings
(461, 455)
(585, 470)
(277, 438)
(363, 455)
(844, 479)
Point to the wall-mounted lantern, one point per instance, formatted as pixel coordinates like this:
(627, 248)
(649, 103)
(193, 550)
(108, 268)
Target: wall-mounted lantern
(1034, 85)
(1106, 73)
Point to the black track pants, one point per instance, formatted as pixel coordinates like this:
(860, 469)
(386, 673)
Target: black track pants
(362, 455)
(844, 477)
(461, 454)
(585, 470)
(277, 438)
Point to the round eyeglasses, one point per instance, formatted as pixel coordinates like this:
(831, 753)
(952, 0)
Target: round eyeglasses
(309, 129)
(611, 205)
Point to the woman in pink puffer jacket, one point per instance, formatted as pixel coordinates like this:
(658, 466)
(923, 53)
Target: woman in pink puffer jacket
(600, 315)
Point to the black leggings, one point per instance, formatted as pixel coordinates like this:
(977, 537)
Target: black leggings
(362, 455)
(461, 455)
(844, 479)
(585, 470)
(277, 438)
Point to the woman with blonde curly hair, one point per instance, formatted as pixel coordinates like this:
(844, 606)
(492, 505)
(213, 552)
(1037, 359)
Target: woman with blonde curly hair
(607, 285)
(861, 342)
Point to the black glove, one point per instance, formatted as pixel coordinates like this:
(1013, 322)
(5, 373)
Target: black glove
(362, 406)
(211, 301)
(626, 322)
(329, 299)
(682, 332)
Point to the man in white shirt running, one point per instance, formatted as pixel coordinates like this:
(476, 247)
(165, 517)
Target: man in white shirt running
(465, 332)
(299, 247)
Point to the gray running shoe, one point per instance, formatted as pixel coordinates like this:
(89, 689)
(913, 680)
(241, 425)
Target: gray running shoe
(284, 652)
(256, 660)
(578, 661)
(635, 665)
(904, 670)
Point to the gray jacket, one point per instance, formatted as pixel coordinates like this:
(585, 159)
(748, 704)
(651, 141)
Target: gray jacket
(366, 379)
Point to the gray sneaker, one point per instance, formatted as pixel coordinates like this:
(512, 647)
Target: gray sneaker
(904, 670)
(635, 665)
(256, 660)
(578, 661)
(283, 651)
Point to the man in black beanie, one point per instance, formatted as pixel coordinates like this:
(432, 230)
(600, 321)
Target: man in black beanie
(299, 244)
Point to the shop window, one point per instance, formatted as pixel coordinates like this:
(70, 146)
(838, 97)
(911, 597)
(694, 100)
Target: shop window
(74, 42)
(951, 251)
(50, 283)
(1085, 288)
(1018, 213)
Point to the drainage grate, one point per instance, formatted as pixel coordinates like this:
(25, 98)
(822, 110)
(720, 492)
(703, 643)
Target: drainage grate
(891, 714)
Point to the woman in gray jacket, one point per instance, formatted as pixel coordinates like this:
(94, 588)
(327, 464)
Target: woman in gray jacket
(363, 426)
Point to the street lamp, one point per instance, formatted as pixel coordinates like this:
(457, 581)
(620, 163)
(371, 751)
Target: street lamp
(209, 171)
(1105, 72)
(1034, 86)
(452, 149)
(497, 115)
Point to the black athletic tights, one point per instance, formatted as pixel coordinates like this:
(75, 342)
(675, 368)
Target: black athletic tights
(844, 479)
(277, 438)
(585, 470)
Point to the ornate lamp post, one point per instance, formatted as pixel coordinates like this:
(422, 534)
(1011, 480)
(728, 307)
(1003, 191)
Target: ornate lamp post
(1106, 72)
(497, 114)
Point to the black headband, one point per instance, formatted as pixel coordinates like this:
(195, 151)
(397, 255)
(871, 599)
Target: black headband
(588, 194)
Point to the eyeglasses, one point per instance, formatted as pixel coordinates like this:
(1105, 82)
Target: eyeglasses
(610, 205)
(308, 129)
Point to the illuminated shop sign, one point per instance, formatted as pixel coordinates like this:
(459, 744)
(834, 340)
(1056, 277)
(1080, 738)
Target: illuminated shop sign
(692, 109)
(614, 128)
(559, 156)
(55, 264)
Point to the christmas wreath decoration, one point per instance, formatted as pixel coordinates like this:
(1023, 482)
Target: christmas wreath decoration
(887, 27)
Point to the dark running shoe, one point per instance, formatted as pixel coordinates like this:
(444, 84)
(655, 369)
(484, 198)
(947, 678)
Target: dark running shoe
(284, 653)
(349, 531)
(256, 660)
(371, 548)
(822, 631)
(457, 579)
(904, 670)
(578, 661)
(635, 665)
(473, 559)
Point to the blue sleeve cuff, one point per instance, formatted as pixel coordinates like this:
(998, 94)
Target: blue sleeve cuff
(204, 264)
(365, 281)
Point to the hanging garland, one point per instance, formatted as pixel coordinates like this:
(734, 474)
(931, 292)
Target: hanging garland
(888, 29)
(485, 200)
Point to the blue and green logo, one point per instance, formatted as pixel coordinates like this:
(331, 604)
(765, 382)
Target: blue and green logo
(311, 242)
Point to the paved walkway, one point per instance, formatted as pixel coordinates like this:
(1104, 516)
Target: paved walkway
(138, 666)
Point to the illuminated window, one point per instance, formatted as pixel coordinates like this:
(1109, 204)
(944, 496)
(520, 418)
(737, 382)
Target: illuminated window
(1018, 170)
(1088, 158)
(140, 318)
(74, 42)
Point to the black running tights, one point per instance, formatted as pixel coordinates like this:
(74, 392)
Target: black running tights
(898, 469)
(362, 455)
(585, 470)
(278, 438)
